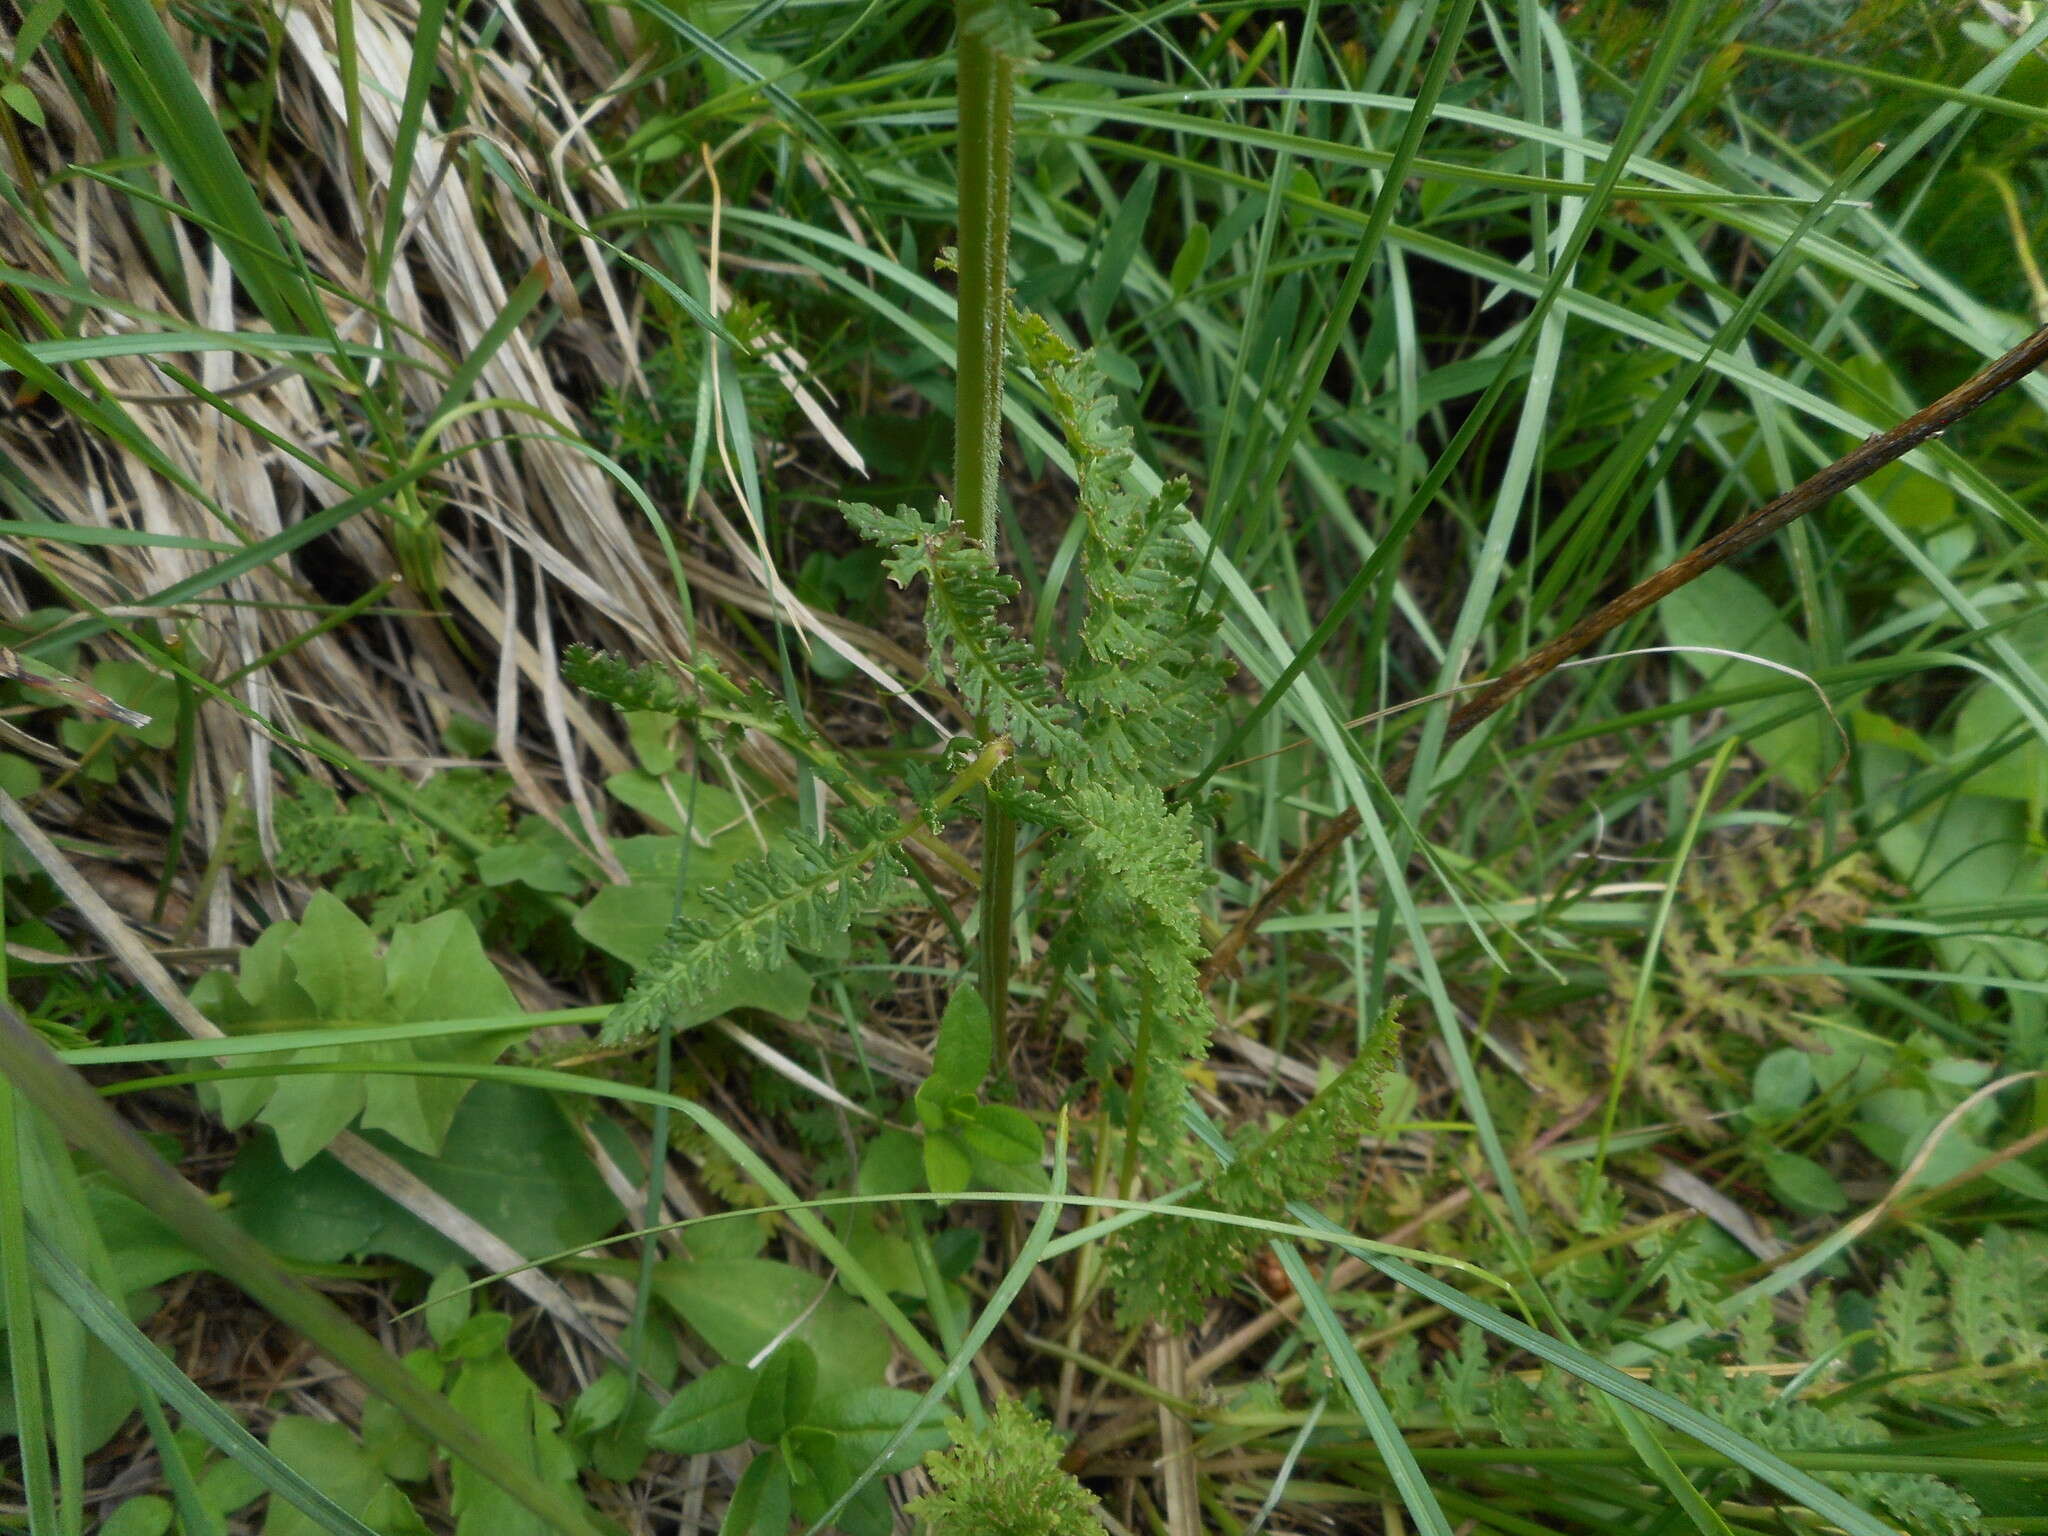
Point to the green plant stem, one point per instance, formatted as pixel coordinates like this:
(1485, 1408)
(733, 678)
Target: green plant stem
(940, 1305)
(987, 86)
(998, 886)
(91, 1126)
(1141, 1079)
(987, 89)
(17, 1313)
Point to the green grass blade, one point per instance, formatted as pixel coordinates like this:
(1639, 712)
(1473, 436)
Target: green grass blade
(111, 1327)
(66, 1100)
(128, 39)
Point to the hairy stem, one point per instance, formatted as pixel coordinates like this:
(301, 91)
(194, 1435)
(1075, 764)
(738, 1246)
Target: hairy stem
(987, 86)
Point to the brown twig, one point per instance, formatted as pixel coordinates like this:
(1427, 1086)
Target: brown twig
(1862, 461)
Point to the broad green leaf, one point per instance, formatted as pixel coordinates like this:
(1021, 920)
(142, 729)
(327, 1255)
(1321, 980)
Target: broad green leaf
(404, 1454)
(329, 1458)
(947, 1167)
(961, 1058)
(784, 1386)
(448, 1303)
(1001, 1177)
(1727, 611)
(477, 1338)
(1990, 717)
(138, 687)
(227, 1486)
(143, 1251)
(760, 1503)
(865, 1420)
(146, 1515)
(23, 101)
(1803, 1183)
(511, 1160)
(1005, 1134)
(620, 1450)
(1966, 851)
(2022, 1179)
(630, 921)
(499, 1399)
(322, 1213)
(334, 960)
(709, 1414)
(18, 776)
(599, 1405)
(892, 1165)
(886, 1256)
(668, 799)
(739, 1306)
(1781, 1083)
(540, 862)
(1912, 499)
(654, 742)
(310, 1111)
(429, 968)
(326, 969)
(820, 1473)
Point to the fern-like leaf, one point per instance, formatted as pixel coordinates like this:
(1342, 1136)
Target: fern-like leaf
(1909, 1307)
(1149, 684)
(1138, 871)
(1000, 676)
(1171, 1271)
(701, 695)
(1004, 1479)
(805, 896)
(1009, 28)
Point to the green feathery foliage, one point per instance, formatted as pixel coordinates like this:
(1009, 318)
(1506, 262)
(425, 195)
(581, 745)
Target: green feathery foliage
(1135, 869)
(1004, 1479)
(402, 868)
(1955, 1326)
(1168, 1271)
(805, 896)
(1009, 27)
(1134, 715)
(1002, 679)
(1152, 676)
(701, 695)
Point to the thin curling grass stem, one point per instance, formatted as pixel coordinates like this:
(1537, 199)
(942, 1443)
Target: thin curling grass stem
(1853, 467)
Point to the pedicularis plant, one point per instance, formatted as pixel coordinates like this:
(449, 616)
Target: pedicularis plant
(1088, 760)
(1079, 750)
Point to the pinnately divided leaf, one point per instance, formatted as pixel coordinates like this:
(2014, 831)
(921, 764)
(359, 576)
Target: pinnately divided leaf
(1150, 680)
(1001, 677)
(804, 896)
(1009, 27)
(699, 694)
(1171, 1271)
(1137, 868)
